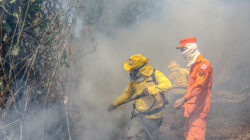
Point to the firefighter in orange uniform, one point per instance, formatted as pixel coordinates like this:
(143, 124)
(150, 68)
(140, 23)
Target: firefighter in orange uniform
(196, 101)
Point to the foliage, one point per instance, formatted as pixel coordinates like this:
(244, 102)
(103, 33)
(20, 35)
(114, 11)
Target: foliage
(36, 37)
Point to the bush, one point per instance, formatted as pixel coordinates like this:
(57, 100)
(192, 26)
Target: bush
(36, 37)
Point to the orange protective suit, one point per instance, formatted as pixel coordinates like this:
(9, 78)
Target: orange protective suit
(198, 98)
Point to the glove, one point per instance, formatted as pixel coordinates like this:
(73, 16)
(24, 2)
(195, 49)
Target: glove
(111, 108)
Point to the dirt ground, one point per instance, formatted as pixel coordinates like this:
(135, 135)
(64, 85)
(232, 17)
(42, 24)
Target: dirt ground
(229, 118)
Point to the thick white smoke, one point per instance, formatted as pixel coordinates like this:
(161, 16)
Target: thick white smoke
(221, 28)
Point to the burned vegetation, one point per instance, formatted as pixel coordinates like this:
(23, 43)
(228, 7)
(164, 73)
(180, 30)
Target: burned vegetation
(36, 38)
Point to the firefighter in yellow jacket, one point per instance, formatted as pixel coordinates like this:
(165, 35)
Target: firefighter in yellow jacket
(150, 86)
(179, 79)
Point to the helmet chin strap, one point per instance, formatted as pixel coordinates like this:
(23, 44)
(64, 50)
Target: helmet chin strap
(135, 75)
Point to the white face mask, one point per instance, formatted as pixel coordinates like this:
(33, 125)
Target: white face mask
(190, 54)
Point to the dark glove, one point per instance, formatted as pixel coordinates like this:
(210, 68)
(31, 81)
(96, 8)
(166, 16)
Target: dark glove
(111, 107)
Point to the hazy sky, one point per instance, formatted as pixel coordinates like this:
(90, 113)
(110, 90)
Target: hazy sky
(222, 31)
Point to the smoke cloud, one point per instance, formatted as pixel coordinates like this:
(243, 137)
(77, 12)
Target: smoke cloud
(221, 28)
(121, 29)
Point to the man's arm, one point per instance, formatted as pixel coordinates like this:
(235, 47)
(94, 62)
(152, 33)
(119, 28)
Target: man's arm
(125, 95)
(163, 83)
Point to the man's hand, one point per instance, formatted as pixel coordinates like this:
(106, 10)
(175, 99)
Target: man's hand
(145, 92)
(178, 103)
(111, 107)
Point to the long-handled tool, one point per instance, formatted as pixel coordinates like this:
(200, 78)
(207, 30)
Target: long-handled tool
(136, 97)
(142, 95)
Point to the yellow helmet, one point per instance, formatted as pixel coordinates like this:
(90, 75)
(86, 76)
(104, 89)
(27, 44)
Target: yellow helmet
(172, 64)
(134, 61)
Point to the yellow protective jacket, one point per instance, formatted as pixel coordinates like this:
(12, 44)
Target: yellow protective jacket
(179, 78)
(136, 88)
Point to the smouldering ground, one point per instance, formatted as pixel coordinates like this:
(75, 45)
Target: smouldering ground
(229, 118)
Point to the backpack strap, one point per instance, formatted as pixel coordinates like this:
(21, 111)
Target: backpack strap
(162, 94)
(153, 77)
(154, 111)
(156, 83)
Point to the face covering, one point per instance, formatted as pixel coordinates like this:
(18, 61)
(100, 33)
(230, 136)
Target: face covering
(190, 54)
(135, 75)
